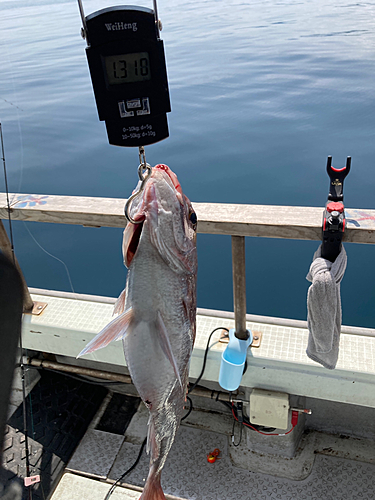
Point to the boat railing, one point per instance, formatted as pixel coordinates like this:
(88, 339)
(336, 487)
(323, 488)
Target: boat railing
(235, 220)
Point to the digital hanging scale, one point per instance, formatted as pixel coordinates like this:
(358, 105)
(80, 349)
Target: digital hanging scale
(128, 72)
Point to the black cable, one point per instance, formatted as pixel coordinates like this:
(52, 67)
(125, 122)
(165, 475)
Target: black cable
(225, 403)
(127, 472)
(190, 409)
(205, 358)
(239, 442)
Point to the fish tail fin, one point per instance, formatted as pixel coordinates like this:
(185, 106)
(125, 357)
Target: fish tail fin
(153, 489)
(115, 330)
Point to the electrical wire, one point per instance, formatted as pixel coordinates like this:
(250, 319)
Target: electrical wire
(239, 442)
(294, 423)
(246, 421)
(190, 408)
(205, 358)
(111, 490)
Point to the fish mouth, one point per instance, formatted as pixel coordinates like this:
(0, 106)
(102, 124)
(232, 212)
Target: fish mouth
(173, 178)
(147, 207)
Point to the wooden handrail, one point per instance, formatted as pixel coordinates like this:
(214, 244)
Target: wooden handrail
(265, 221)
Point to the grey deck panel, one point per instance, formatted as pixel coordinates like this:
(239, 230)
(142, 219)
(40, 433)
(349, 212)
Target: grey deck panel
(189, 476)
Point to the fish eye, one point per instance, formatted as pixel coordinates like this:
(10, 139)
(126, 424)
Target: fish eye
(193, 219)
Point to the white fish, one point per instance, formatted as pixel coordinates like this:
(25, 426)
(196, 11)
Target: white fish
(157, 310)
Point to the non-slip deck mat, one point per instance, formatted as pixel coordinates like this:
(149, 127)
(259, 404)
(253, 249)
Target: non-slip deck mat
(118, 414)
(99, 447)
(73, 487)
(188, 475)
(96, 453)
(60, 409)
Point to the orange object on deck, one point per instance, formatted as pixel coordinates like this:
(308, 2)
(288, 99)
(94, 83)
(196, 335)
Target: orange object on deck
(212, 457)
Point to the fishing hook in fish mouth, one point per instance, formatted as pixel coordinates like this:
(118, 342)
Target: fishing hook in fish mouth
(144, 172)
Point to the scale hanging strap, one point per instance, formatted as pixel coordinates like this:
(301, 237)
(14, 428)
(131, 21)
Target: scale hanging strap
(157, 22)
(142, 156)
(83, 17)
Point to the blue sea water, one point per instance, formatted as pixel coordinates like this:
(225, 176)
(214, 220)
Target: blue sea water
(262, 92)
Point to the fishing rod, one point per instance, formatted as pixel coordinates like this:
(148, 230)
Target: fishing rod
(27, 480)
(333, 226)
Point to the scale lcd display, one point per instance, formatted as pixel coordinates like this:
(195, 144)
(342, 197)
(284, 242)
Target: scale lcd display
(128, 68)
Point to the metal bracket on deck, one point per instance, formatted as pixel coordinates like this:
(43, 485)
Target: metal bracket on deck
(257, 338)
(38, 308)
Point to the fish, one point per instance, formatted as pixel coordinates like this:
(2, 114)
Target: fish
(157, 310)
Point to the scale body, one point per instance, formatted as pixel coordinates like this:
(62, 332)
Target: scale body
(128, 72)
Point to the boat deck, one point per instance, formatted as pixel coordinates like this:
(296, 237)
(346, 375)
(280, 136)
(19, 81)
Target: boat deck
(333, 466)
(102, 457)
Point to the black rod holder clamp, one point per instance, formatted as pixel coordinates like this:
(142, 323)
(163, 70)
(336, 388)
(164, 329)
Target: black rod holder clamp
(333, 226)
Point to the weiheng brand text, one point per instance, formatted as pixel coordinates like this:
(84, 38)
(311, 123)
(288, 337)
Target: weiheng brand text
(118, 26)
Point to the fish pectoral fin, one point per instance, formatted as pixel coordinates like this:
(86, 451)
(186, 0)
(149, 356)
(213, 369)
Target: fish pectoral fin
(117, 329)
(166, 345)
(120, 303)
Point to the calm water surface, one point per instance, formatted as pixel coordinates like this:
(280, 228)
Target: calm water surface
(261, 93)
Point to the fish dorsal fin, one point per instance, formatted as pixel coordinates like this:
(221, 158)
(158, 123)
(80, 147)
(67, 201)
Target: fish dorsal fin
(115, 330)
(166, 345)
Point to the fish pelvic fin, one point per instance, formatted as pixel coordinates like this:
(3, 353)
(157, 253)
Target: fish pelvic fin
(153, 489)
(117, 329)
(166, 346)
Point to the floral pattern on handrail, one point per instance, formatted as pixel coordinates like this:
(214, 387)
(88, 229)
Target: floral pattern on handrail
(355, 217)
(30, 201)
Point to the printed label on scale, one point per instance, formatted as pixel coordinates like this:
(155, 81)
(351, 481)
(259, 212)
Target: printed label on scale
(145, 107)
(136, 132)
(140, 105)
(133, 104)
(123, 112)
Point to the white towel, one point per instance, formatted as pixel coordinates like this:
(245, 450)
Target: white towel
(324, 308)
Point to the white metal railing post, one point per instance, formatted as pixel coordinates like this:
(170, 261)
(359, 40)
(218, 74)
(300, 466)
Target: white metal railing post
(239, 286)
